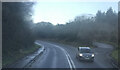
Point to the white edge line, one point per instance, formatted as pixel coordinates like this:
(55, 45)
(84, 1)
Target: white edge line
(68, 60)
(71, 61)
(67, 55)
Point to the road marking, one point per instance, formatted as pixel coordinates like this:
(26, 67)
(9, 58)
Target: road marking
(42, 46)
(70, 61)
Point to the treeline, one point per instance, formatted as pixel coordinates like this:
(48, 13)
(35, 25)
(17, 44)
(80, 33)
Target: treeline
(83, 29)
(16, 30)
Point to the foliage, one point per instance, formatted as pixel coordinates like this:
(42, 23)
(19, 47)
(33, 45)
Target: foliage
(19, 33)
(83, 29)
(16, 32)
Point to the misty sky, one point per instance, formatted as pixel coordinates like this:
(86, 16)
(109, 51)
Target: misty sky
(62, 12)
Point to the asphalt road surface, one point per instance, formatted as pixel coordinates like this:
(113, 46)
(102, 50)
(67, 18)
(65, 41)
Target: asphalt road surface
(58, 55)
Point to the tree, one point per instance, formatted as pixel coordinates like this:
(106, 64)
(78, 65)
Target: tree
(16, 32)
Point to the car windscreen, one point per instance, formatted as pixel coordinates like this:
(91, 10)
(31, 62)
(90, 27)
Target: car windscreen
(85, 51)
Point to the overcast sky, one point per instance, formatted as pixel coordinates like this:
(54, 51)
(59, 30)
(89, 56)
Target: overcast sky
(62, 12)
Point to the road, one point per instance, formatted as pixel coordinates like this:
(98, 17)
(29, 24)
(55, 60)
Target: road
(58, 55)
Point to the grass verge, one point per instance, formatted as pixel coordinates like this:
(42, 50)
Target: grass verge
(15, 56)
(72, 43)
(115, 55)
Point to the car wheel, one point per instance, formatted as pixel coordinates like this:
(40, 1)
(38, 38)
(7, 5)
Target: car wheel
(92, 61)
(77, 56)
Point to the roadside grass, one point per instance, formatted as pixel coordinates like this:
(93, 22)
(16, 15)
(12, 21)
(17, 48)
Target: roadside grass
(77, 44)
(72, 43)
(14, 56)
(115, 55)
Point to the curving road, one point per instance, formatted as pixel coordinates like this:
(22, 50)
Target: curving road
(102, 58)
(58, 55)
(53, 57)
(64, 56)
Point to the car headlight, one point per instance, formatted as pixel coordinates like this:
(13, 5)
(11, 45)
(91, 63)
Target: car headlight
(80, 54)
(93, 55)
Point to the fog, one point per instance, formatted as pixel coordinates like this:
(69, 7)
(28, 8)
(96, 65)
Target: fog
(20, 33)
